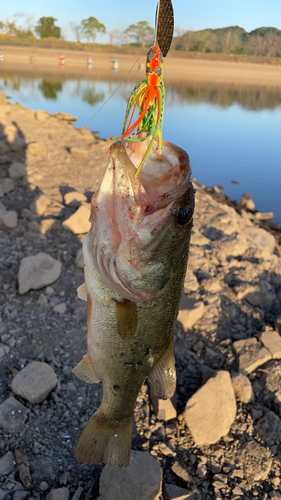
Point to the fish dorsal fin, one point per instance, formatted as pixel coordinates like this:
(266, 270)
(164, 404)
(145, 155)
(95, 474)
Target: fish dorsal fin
(82, 291)
(163, 376)
(85, 371)
(127, 318)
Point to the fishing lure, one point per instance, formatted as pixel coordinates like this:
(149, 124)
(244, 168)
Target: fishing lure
(148, 97)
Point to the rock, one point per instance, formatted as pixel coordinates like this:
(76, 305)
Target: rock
(40, 204)
(256, 461)
(4, 148)
(260, 295)
(142, 480)
(190, 312)
(271, 382)
(79, 260)
(37, 149)
(7, 185)
(78, 223)
(277, 324)
(166, 410)
(247, 202)
(269, 428)
(17, 170)
(60, 308)
(10, 132)
(34, 382)
(79, 153)
(20, 495)
(212, 286)
(242, 388)
(8, 218)
(58, 494)
(13, 415)
(272, 341)
(180, 472)
(190, 282)
(176, 493)
(211, 411)
(4, 349)
(43, 486)
(42, 301)
(262, 239)
(38, 271)
(18, 145)
(41, 116)
(65, 116)
(74, 199)
(251, 354)
(7, 464)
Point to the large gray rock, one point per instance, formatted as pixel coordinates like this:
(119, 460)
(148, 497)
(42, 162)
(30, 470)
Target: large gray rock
(7, 185)
(78, 223)
(13, 415)
(7, 464)
(142, 480)
(17, 170)
(58, 494)
(256, 461)
(34, 382)
(38, 271)
(190, 312)
(251, 354)
(8, 218)
(211, 411)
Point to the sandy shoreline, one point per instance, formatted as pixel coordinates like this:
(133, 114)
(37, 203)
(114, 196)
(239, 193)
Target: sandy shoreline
(176, 69)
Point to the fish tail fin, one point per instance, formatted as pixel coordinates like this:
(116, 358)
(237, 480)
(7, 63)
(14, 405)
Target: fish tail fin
(163, 379)
(105, 441)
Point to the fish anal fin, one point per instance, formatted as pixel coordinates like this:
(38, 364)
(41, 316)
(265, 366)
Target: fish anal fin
(85, 371)
(163, 378)
(127, 318)
(82, 291)
(105, 441)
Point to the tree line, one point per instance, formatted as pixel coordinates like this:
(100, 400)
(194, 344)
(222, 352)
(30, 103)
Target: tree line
(231, 40)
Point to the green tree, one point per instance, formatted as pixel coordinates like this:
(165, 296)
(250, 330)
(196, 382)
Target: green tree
(141, 33)
(46, 28)
(91, 26)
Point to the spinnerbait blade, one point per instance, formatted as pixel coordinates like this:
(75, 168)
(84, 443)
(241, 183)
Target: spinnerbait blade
(164, 25)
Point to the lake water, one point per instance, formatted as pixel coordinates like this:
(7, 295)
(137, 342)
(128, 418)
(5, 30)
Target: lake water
(230, 133)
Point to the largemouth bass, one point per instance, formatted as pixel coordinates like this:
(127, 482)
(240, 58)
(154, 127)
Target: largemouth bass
(135, 257)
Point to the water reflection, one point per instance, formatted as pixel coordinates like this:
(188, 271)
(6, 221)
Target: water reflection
(50, 89)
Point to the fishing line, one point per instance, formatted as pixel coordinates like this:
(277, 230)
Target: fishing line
(156, 23)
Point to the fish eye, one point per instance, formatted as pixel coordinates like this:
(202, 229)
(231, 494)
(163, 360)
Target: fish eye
(184, 215)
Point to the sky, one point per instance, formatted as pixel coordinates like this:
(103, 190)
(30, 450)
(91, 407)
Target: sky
(189, 14)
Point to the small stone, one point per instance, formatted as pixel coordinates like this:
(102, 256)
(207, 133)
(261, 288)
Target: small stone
(256, 461)
(79, 153)
(247, 202)
(190, 282)
(166, 410)
(79, 260)
(141, 480)
(78, 223)
(8, 218)
(242, 388)
(34, 382)
(41, 116)
(43, 486)
(42, 301)
(272, 341)
(58, 494)
(212, 286)
(166, 451)
(177, 493)
(20, 495)
(211, 411)
(181, 472)
(38, 271)
(237, 491)
(269, 428)
(40, 204)
(251, 354)
(190, 312)
(262, 239)
(64, 478)
(7, 185)
(65, 116)
(49, 291)
(17, 170)
(37, 149)
(74, 199)
(60, 308)
(13, 415)
(7, 463)
(4, 349)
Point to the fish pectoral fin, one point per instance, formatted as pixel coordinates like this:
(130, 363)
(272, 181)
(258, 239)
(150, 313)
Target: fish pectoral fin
(82, 291)
(103, 440)
(127, 318)
(163, 376)
(85, 371)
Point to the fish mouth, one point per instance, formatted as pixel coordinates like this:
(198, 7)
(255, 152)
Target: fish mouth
(127, 211)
